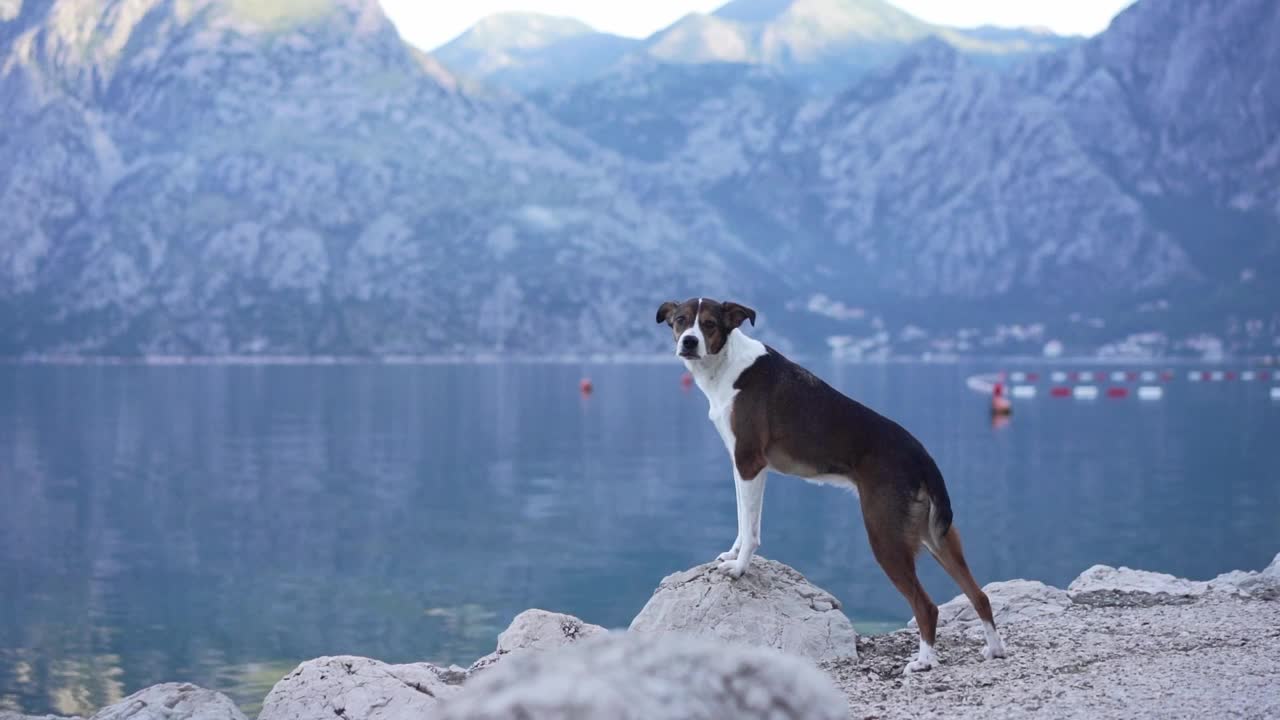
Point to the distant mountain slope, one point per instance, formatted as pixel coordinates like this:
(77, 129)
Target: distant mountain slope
(215, 177)
(527, 51)
(219, 176)
(826, 44)
(1181, 101)
(1096, 175)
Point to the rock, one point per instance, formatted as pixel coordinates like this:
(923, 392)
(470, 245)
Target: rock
(772, 605)
(538, 630)
(1264, 585)
(1104, 578)
(357, 688)
(1011, 601)
(632, 675)
(1211, 656)
(172, 701)
(10, 715)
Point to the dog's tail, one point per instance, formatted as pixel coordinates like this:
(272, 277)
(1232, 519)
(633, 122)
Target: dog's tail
(939, 500)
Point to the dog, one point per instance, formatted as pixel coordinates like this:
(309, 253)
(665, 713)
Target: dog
(774, 415)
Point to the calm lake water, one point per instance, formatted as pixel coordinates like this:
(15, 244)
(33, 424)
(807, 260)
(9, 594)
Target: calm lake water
(221, 524)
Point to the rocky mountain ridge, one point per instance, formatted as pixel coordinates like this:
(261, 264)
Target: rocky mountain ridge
(221, 177)
(819, 44)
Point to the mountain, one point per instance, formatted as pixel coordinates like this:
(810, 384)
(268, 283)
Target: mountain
(1093, 180)
(217, 176)
(226, 177)
(527, 51)
(828, 43)
(1181, 101)
(825, 44)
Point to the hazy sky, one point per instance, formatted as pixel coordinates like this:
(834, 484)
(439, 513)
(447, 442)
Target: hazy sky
(429, 23)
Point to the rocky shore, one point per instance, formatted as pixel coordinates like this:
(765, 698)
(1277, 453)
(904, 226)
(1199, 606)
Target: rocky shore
(1115, 643)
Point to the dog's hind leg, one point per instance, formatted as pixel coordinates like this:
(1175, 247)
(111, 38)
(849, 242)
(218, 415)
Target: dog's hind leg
(950, 555)
(895, 541)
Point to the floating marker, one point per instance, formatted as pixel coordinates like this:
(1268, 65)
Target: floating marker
(686, 380)
(1275, 393)
(1119, 376)
(1217, 376)
(1150, 392)
(1018, 377)
(1058, 377)
(1149, 376)
(1230, 375)
(1084, 376)
(1060, 392)
(1024, 391)
(1033, 377)
(1167, 375)
(1117, 392)
(1195, 376)
(1085, 392)
(585, 386)
(1248, 376)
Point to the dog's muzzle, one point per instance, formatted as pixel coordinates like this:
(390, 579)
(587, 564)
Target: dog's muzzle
(688, 347)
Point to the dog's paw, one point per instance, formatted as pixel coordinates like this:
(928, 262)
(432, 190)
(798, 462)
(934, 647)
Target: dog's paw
(991, 652)
(728, 555)
(919, 665)
(733, 568)
(925, 660)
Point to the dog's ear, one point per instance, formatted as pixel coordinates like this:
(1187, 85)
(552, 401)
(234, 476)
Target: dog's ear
(664, 312)
(735, 314)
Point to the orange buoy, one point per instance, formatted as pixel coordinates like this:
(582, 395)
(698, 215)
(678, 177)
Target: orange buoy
(1000, 404)
(585, 386)
(686, 381)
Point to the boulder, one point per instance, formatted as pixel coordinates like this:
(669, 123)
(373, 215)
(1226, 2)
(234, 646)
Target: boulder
(1012, 601)
(1264, 585)
(357, 688)
(1107, 579)
(772, 605)
(11, 715)
(537, 630)
(172, 701)
(625, 676)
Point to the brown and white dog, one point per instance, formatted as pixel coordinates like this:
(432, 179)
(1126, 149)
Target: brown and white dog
(774, 415)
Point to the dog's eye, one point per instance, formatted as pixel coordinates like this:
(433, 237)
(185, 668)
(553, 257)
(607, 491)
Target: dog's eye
(708, 324)
(680, 319)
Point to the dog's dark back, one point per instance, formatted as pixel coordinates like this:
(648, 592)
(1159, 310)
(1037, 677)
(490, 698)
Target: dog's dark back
(807, 418)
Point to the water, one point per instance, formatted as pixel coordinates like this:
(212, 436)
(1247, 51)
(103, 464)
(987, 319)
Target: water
(220, 524)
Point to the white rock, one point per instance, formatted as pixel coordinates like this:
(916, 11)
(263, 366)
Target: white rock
(1012, 601)
(1264, 585)
(625, 676)
(10, 715)
(538, 630)
(357, 688)
(172, 701)
(772, 605)
(1123, 579)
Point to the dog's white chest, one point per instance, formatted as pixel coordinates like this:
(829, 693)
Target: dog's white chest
(718, 381)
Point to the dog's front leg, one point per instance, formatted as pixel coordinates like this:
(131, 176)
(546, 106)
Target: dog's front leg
(750, 504)
(732, 553)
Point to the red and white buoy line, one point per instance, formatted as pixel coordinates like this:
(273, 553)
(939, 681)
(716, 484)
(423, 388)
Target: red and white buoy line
(1115, 384)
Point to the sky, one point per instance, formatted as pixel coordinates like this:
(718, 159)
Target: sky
(431, 23)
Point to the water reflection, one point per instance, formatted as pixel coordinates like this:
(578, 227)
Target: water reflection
(218, 524)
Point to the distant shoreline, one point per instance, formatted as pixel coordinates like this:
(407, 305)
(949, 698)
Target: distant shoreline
(491, 358)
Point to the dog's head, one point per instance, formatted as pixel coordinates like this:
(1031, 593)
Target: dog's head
(701, 326)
